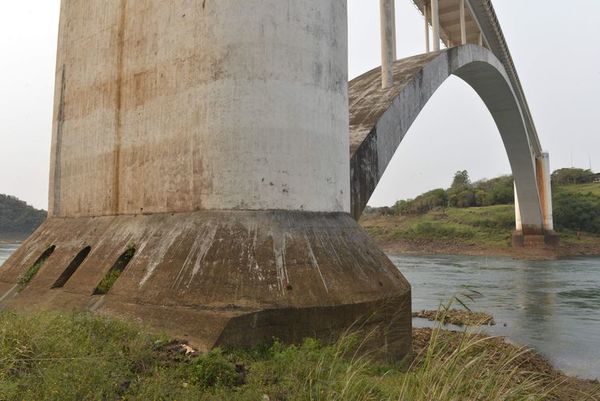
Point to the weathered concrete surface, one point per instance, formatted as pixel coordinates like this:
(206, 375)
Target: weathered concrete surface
(222, 278)
(178, 126)
(380, 118)
(177, 106)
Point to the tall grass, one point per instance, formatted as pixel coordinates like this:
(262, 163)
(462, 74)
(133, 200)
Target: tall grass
(83, 357)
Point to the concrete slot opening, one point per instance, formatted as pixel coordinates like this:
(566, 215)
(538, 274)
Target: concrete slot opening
(72, 268)
(35, 268)
(115, 271)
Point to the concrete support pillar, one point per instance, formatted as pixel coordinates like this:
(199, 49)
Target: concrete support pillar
(463, 23)
(435, 23)
(387, 43)
(545, 189)
(518, 219)
(426, 15)
(481, 39)
(221, 160)
(394, 48)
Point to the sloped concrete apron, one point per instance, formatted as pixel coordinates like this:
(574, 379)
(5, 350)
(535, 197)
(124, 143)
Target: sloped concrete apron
(380, 118)
(222, 278)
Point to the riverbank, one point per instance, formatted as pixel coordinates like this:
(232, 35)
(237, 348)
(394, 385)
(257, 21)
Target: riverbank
(72, 357)
(477, 231)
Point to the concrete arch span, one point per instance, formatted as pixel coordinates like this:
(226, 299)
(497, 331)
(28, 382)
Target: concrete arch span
(380, 118)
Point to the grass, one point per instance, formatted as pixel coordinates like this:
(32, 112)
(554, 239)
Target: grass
(490, 226)
(593, 189)
(82, 357)
(484, 228)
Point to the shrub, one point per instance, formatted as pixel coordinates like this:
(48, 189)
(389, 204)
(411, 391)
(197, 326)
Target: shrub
(215, 370)
(577, 211)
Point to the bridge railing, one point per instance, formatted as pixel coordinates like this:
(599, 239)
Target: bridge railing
(431, 13)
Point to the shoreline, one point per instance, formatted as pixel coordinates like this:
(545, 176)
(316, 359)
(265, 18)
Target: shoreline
(403, 247)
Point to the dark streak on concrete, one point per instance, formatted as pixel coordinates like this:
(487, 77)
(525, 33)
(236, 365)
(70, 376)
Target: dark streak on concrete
(118, 107)
(60, 120)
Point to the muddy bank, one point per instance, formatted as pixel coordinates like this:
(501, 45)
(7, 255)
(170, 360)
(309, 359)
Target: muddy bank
(457, 317)
(567, 249)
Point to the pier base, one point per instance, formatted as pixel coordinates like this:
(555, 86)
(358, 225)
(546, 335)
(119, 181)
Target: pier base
(219, 278)
(549, 240)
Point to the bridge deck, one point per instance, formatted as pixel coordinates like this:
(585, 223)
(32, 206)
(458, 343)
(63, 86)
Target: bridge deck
(481, 18)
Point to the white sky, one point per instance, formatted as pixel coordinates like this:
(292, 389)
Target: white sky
(553, 44)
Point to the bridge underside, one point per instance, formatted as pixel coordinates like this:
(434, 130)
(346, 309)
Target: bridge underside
(380, 118)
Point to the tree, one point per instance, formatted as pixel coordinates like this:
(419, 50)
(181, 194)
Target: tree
(461, 181)
(571, 176)
(17, 217)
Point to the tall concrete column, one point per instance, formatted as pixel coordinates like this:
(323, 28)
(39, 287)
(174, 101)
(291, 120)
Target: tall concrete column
(395, 32)
(518, 219)
(545, 189)
(387, 42)
(426, 13)
(210, 141)
(435, 23)
(463, 23)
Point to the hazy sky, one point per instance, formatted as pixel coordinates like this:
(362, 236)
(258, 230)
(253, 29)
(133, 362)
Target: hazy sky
(553, 43)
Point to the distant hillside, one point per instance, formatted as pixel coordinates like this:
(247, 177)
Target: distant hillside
(17, 218)
(479, 218)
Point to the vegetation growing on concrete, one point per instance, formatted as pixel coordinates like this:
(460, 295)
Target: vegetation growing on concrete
(35, 268)
(76, 357)
(115, 272)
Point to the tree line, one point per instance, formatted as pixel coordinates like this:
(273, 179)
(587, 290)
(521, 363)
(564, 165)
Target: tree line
(574, 209)
(17, 217)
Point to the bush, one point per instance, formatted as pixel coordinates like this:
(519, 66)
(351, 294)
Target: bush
(215, 370)
(577, 211)
(438, 198)
(437, 231)
(570, 176)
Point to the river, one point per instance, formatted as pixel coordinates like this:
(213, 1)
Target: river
(551, 306)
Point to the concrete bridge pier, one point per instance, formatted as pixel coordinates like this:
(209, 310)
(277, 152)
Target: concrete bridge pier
(544, 234)
(200, 150)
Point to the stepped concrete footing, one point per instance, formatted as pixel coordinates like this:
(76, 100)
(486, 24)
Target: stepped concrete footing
(226, 278)
(549, 240)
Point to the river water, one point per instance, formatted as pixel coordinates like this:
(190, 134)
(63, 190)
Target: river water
(551, 306)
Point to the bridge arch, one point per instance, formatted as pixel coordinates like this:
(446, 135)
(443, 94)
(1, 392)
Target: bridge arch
(380, 118)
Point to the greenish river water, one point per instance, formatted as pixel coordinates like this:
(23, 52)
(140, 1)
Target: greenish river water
(551, 306)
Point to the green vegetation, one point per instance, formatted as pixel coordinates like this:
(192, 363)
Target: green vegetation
(461, 194)
(490, 226)
(572, 176)
(35, 268)
(115, 272)
(481, 214)
(83, 357)
(17, 219)
(577, 208)
(30, 273)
